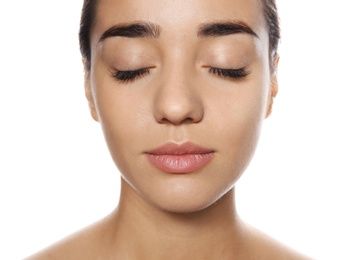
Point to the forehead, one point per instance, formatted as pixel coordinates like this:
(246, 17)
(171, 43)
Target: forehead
(178, 16)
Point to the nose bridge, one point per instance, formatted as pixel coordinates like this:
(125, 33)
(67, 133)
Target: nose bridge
(177, 100)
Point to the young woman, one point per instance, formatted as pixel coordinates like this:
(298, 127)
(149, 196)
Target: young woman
(181, 89)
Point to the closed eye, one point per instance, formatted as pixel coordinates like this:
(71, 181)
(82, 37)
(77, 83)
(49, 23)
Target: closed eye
(229, 73)
(129, 75)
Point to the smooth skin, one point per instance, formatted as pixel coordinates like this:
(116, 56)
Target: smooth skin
(178, 216)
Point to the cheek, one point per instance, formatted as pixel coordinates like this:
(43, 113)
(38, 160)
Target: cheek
(123, 115)
(240, 109)
(237, 118)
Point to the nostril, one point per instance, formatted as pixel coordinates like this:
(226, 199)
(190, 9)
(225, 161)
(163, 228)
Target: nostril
(188, 120)
(191, 120)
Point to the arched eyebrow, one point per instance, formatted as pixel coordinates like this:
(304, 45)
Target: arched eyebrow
(151, 30)
(132, 30)
(216, 29)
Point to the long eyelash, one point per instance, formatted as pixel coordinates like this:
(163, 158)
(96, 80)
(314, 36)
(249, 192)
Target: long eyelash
(129, 75)
(229, 73)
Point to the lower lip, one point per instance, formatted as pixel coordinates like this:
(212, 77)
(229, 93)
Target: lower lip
(184, 163)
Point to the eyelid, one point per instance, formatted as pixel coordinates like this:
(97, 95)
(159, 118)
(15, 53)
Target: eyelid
(129, 75)
(229, 73)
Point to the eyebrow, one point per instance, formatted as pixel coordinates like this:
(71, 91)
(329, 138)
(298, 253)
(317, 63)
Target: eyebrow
(132, 30)
(151, 30)
(224, 28)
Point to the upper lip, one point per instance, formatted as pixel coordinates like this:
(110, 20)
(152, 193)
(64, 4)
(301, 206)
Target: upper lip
(179, 149)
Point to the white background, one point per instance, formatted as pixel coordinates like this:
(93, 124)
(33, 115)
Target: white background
(55, 172)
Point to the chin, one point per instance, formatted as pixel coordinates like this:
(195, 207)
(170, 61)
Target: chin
(186, 200)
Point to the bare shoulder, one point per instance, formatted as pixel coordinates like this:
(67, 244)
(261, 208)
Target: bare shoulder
(67, 248)
(265, 247)
(80, 245)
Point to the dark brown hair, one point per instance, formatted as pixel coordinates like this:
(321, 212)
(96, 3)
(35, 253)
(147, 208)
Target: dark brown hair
(88, 17)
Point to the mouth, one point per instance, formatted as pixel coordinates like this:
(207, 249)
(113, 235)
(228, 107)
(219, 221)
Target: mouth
(180, 158)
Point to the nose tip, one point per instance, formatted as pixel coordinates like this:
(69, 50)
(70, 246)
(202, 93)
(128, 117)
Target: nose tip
(178, 106)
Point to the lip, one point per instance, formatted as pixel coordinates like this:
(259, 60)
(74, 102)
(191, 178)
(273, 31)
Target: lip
(180, 158)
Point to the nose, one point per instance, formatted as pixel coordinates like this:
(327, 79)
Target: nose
(177, 102)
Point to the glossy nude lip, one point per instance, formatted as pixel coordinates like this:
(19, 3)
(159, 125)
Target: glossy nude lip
(183, 158)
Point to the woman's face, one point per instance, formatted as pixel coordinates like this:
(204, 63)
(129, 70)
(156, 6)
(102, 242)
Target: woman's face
(181, 89)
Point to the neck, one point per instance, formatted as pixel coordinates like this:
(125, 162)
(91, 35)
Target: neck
(145, 230)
